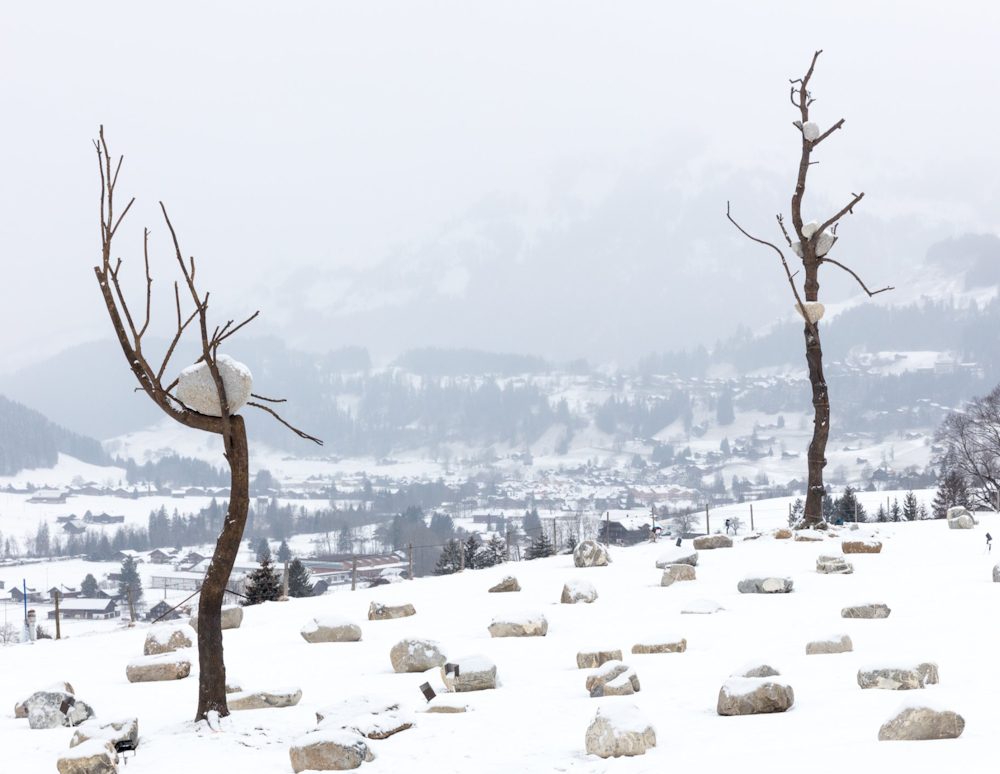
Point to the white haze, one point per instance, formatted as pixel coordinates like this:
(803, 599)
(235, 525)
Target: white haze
(544, 177)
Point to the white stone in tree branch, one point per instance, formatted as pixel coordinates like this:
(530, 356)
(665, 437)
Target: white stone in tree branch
(813, 311)
(196, 388)
(809, 228)
(810, 130)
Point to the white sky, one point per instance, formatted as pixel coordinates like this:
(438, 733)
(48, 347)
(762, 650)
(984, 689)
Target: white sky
(295, 138)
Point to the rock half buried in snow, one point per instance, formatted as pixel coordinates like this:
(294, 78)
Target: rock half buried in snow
(232, 617)
(413, 655)
(871, 610)
(809, 536)
(839, 643)
(661, 645)
(167, 639)
(996, 573)
(114, 731)
(768, 585)
(833, 565)
(578, 591)
(677, 556)
(380, 612)
(331, 628)
(96, 756)
(754, 696)
(677, 572)
(708, 542)
(250, 700)
(613, 678)
(52, 709)
(619, 729)
(21, 708)
(899, 678)
(196, 388)
(590, 553)
(922, 723)
(782, 534)
(166, 666)
(475, 673)
(861, 546)
(329, 750)
(509, 583)
(702, 607)
(756, 669)
(522, 625)
(590, 659)
(381, 725)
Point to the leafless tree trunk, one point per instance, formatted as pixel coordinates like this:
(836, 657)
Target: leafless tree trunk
(813, 243)
(130, 333)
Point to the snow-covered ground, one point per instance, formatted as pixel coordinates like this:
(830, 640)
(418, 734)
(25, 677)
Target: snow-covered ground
(937, 582)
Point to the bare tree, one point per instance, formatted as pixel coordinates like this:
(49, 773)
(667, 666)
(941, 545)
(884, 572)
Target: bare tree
(971, 441)
(130, 330)
(813, 241)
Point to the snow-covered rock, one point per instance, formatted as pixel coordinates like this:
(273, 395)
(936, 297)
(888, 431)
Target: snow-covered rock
(833, 565)
(578, 591)
(996, 573)
(114, 731)
(922, 723)
(21, 708)
(96, 756)
(167, 639)
(380, 612)
(808, 229)
(811, 311)
(702, 607)
(590, 659)
(677, 572)
(838, 643)
(55, 708)
(824, 243)
(232, 617)
(612, 678)
(708, 542)
(331, 628)
(756, 669)
(899, 678)
(509, 583)
(249, 700)
(475, 673)
(381, 725)
(519, 625)
(960, 518)
(661, 645)
(677, 556)
(754, 696)
(196, 388)
(166, 666)
(619, 730)
(870, 610)
(765, 585)
(810, 130)
(590, 553)
(413, 655)
(329, 749)
(861, 546)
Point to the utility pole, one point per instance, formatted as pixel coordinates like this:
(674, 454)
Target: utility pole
(58, 630)
(409, 557)
(751, 516)
(555, 547)
(354, 573)
(708, 529)
(607, 528)
(284, 583)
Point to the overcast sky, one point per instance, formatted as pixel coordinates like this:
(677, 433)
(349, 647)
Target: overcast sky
(312, 154)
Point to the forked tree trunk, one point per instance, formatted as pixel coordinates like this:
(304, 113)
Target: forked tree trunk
(212, 667)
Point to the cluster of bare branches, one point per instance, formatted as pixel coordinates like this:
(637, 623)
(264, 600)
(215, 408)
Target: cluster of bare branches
(971, 441)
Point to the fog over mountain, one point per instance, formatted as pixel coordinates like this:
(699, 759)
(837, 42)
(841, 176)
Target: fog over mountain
(547, 178)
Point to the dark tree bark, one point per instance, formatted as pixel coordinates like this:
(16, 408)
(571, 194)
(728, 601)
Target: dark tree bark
(813, 250)
(212, 668)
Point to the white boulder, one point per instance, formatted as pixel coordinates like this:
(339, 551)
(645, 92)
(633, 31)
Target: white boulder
(196, 389)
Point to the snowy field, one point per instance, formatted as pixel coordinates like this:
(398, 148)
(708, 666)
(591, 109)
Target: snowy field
(937, 582)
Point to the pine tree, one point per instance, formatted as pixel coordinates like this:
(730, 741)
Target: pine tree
(345, 543)
(263, 585)
(284, 552)
(89, 587)
(450, 560)
(922, 512)
(847, 505)
(881, 516)
(299, 582)
(263, 551)
(472, 547)
(895, 512)
(910, 507)
(130, 582)
(540, 547)
(951, 492)
(571, 541)
(496, 550)
(532, 525)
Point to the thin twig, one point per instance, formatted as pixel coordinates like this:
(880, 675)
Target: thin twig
(268, 400)
(849, 208)
(273, 413)
(853, 274)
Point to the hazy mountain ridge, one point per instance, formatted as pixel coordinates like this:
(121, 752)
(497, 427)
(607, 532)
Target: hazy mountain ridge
(29, 440)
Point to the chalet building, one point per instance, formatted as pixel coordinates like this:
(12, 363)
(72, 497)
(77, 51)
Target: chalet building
(159, 556)
(625, 530)
(49, 496)
(162, 611)
(102, 518)
(64, 592)
(72, 528)
(34, 595)
(89, 608)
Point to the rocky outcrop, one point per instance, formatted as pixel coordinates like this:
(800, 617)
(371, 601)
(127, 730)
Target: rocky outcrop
(578, 591)
(167, 666)
(619, 730)
(475, 673)
(166, 639)
(379, 612)
(121, 731)
(590, 553)
(861, 546)
(833, 565)
(524, 625)
(677, 556)
(612, 679)
(709, 542)
(840, 643)
(768, 585)
(96, 756)
(590, 659)
(331, 629)
(413, 655)
(666, 645)
(754, 696)
(922, 723)
(871, 610)
(250, 700)
(329, 750)
(677, 572)
(899, 678)
(509, 583)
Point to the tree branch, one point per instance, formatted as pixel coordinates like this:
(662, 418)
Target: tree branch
(828, 132)
(273, 413)
(853, 274)
(848, 209)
